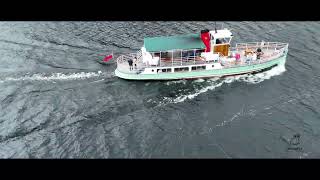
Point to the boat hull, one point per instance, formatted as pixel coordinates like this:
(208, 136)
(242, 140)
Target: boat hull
(205, 73)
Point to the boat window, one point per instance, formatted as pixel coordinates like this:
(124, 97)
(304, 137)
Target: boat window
(198, 52)
(212, 65)
(222, 40)
(218, 41)
(164, 55)
(226, 40)
(152, 70)
(194, 68)
(165, 70)
(181, 69)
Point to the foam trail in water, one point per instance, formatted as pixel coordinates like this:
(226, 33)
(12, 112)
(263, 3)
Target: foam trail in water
(249, 78)
(183, 97)
(176, 82)
(259, 77)
(55, 76)
(199, 91)
(199, 80)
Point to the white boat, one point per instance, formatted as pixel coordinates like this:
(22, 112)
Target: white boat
(206, 54)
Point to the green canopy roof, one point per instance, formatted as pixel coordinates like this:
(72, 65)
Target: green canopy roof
(184, 42)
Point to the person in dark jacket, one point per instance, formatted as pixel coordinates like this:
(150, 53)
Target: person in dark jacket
(259, 53)
(130, 61)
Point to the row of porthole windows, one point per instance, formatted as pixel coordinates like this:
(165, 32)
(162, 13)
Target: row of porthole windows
(181, 69)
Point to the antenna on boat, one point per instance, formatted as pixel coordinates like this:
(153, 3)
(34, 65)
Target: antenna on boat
(215, 26)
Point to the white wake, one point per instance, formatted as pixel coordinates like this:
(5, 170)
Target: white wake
(217, 82)
(259, 77)
(54, 76)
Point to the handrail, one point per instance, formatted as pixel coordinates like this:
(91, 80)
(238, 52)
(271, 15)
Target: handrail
(259, 44)
(267, 45)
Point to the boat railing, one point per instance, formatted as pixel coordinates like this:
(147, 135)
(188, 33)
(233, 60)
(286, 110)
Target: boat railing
(235, 64)
(263, 45)
(132, 56)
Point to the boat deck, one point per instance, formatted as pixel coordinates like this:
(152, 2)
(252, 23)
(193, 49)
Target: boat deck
(270, 52)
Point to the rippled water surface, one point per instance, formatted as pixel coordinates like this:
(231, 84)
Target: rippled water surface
(59, 101)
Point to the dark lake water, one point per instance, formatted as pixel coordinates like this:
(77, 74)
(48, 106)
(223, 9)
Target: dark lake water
(57, 100)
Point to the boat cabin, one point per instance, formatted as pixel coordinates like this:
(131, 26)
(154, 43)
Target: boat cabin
(173, 48)
(220, 41)
(185, 48)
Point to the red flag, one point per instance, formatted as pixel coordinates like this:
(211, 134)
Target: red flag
(205, 36)
(107, 58)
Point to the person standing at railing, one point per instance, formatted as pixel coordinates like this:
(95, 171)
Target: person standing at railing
(135, 63)
(259, 53)
(130, 61)
(249, 58)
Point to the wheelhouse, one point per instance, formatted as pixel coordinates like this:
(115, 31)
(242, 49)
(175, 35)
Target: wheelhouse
(220, 41)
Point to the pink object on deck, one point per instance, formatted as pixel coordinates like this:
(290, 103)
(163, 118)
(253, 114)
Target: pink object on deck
(237, 56)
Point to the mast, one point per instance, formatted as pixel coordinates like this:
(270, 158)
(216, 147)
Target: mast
(215, 27)
(194, 56)
(181, 56)
(160, 59)
(172, 58)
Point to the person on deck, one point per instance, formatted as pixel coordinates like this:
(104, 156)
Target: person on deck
(249, 58)
(130, 61)
(259, 53)
(135, 63)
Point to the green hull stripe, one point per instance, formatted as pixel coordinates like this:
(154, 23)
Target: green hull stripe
(202, 74)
